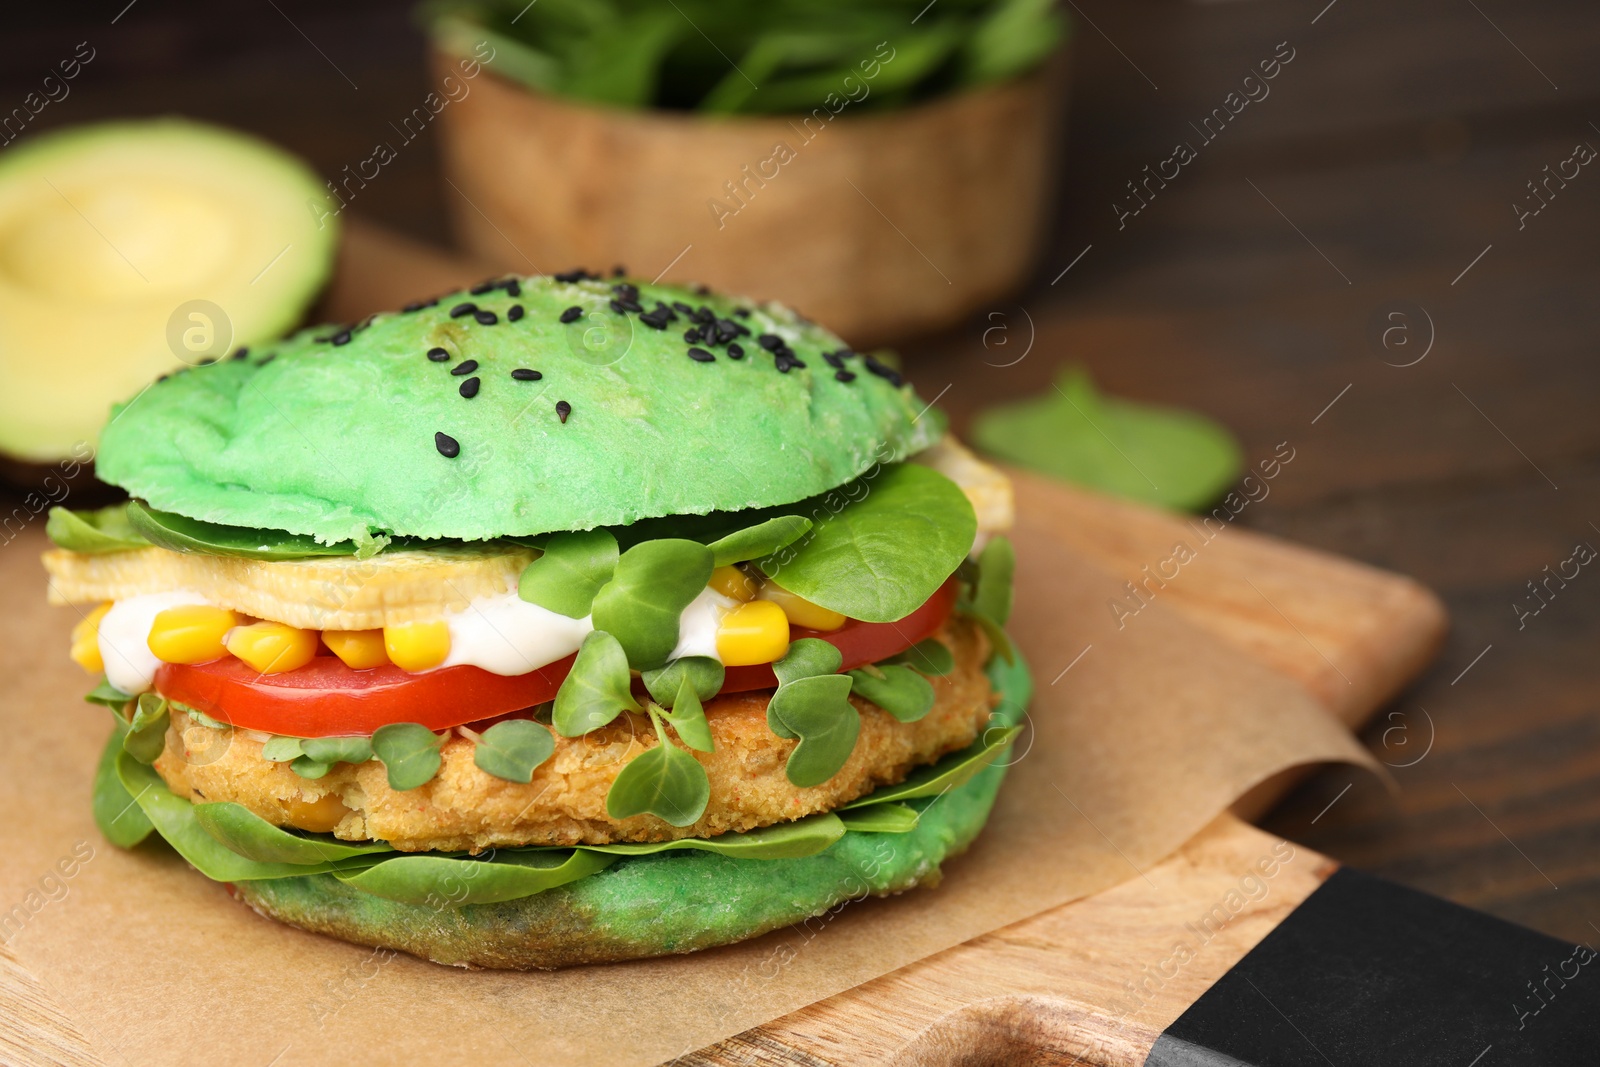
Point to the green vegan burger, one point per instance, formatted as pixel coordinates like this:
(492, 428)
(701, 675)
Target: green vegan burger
(561, 620)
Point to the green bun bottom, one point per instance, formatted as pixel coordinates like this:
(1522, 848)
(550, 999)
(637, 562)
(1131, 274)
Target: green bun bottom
(657, 905)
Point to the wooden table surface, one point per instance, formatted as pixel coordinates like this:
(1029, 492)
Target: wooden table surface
(1382, 168)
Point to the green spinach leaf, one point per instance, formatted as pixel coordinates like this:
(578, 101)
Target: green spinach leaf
(93, 532)
(147, 732)
(885, 818)
(452, 881)
(705, 673)
(253, 837)
(1156, 455)
(780, 841)
(664, 781)
(997, 564)
(572, 570)
(108, 695)
(281, 749)
(337, 749)
(512, 749)
(653, 583)
(183, 534)
(954, 770)
(688, 717)
(409, 752)
(762, 539)
(930, 656)
(891, 543)
(818, 711)
(115, 811)
(900, 691)
(596, 690)
(806, 658)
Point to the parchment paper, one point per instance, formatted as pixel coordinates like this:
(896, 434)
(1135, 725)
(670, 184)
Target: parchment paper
(1152, 731)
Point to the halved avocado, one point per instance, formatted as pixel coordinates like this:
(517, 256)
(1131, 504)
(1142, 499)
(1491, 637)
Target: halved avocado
(115, 237)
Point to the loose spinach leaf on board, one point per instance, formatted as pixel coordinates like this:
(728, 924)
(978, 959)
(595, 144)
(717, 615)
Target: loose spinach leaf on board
(251, 836)
(147, 732)
(705, 673)
(596, 690)
(894, 540)
(572, 570)
(183, 534)
(174, 819)
(950, 772)
(409, 752)
(929, 656)
(762, 539)
(115, 811)
(900, 691)
(997, 564)
(512, 749)
(780, 841)
(92, 532)
(664, 781)
(452, 881)
(108, 695)
(884, 818)
(641, 605)
(688, 716)
(1162, 456)
(818, 711)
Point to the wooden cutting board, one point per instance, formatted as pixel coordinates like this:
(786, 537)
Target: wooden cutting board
(1071, 985)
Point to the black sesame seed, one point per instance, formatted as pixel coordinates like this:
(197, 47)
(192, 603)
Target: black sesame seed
(341, 338)
(513, 288)
(164, 377)
(795, 362)
(704, 315)
(466, 366)
(622, 304)
(514, 313)
(448, 446)
(783, 365)
(523, 374)
(770, 341)
(883, 371)
(577, 274)
(462, 309)
(681, 306)
(438, 355)
(486, 318)
(572, 314)
(700, 355)
(240, 354)
(626, 290)
(563, 409)
(268, 358)
(418, 305)
(692, 335)
(743, 313)
(728, 330)
(702, 290)
(206, 362)
(736, 351)
(844, 375)
(653, 319)
(485, 287)
(619, 271)
(469, 388)
(833, 360)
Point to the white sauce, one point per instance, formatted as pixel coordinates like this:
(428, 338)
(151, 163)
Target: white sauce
(125, 638)
(697, 626)
(505, 634)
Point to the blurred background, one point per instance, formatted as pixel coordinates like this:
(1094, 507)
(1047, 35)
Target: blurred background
(1365, 232)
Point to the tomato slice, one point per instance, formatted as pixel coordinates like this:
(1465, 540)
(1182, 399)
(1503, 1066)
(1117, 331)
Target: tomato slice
(327, 699)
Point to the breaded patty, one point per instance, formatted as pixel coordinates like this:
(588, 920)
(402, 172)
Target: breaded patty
(463, 808)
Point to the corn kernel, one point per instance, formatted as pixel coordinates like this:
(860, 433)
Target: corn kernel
(191, 633)
(733, 583)
(801, 611)
(273, 647)
(86, 640)
(417, 646)
(359, 649)
(757, 632)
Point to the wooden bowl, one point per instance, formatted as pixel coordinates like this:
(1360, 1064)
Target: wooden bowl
(878, 224)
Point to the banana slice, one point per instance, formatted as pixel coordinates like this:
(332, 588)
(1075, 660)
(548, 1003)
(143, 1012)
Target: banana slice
(326, 593)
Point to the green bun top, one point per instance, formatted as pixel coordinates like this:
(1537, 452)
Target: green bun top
(468, 418)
